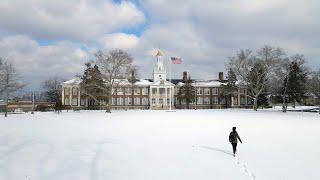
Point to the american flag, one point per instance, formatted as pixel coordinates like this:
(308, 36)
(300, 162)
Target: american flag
(175, 60)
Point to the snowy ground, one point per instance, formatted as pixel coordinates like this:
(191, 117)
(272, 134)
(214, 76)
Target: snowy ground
(159, 145)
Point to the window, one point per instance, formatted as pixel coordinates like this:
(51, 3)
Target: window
(137, 91)
(168, 101)
(128, 90)
(145, 91)
(207, 91)
(206, 100)
(137, 100)
(215, 100)
(83, 102)
(242, 91)
(199, 90)
(66, 91)
(154, 90)
(119, 101)
(162, 91)
(66, 101)
(214, 90)
(235, 100)
(74, 91)
(168, 91)
(145, 101)
(129, 101)
(200, 100)
(125, 101)
(242, 100)
(153, 101)
(160, 101)
(122, 91)
(222, 100)
(74, 102)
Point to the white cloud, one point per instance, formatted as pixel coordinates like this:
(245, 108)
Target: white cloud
(206, 33)
(72, 19)
(202, 33)
(119, 41)
(36, 63)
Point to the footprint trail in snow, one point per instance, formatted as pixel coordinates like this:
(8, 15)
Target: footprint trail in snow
(238, 161)
(245, 168)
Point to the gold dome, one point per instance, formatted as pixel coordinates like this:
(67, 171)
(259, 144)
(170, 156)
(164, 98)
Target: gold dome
(159, 53)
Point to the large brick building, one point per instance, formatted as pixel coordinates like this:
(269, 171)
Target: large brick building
(155, 93)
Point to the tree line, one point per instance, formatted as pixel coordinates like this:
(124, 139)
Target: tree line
(268, 71)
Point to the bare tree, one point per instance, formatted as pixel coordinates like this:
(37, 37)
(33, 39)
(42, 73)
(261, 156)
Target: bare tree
(278, 82)
(9, 82)
(254, 70)
(1, 76)
(115, 66)
(314, 85)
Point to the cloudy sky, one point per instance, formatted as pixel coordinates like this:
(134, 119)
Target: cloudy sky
(44, 38)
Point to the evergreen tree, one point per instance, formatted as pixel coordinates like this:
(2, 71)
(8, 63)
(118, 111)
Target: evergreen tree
(92, 85)
(52, 87)
(186, 93)
(263, 100)
(132, 79)
(230, 88)
(296, 82)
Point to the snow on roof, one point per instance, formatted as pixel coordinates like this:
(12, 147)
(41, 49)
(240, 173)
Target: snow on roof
(75, 81)
(209, 83)
(162, 83)
(140, 82)
(143, 82)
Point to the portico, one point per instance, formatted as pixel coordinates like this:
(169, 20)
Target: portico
(161, 90)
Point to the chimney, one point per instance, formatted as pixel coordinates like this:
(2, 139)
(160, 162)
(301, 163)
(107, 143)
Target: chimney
(221, 76)
(185, 76)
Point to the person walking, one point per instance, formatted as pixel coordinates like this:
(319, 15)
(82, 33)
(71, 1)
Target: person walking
(233, 139)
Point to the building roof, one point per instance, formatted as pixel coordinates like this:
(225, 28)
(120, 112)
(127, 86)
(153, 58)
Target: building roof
(149, 82)
(74, 81)
(143, 82)
(139, 82)
(162, 83)
(209, 83)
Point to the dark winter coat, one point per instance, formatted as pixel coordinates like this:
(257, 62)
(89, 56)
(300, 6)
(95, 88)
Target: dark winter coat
(233, 137)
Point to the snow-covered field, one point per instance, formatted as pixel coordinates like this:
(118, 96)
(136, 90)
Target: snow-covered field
(159, 145)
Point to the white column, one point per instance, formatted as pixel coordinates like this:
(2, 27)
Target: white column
(70, 96)
(166, 96)
(239, 97)
(246, 98)
(170, 85)
(157, 97)
(232, 101)
(62, 94)
(79, 98)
